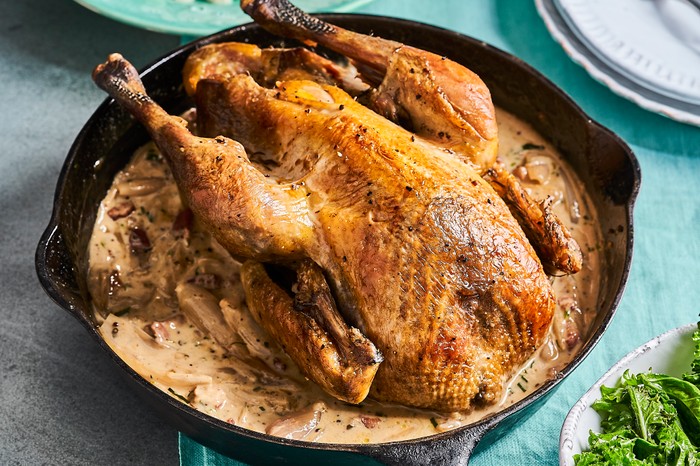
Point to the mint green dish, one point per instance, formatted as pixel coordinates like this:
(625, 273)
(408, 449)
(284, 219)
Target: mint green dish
(195, 17)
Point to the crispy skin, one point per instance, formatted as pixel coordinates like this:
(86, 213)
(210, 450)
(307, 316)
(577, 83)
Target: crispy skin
(266, 66)
(335, 356)
(254, 217)
(439, 100)
(407, 75)
(555, 246)
(422, 254)
(216, 179)
(412, 90)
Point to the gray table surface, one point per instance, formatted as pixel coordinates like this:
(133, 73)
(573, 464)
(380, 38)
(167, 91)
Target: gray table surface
(60, 400)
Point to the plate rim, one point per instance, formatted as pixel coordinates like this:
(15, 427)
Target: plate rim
(573, 417)
(604, 74)
(577, 25)
(200, 29)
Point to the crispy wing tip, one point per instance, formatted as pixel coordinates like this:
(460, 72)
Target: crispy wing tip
(565, 255)
(119, 79)
(555, 246)
(282, 17)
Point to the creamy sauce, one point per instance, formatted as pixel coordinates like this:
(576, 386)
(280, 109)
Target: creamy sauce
(157, 278)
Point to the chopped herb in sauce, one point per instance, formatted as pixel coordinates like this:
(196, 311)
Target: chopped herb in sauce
(531, 146)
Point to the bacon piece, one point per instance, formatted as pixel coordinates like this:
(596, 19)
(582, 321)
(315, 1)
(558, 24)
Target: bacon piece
(138, 240)
(120, 211)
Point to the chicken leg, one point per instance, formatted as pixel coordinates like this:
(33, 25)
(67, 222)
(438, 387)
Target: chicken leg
(309, 328)
(260, 219)
(425, 87)
(217, 173)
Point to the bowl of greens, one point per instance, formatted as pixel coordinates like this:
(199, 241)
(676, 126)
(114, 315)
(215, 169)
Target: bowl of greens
(644, 411)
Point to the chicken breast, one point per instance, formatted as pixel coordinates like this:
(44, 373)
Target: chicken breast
(421, 255)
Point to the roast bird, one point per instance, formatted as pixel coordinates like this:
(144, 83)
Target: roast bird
(414, 283)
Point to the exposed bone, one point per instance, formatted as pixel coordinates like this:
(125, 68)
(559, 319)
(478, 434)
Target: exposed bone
(282, 18)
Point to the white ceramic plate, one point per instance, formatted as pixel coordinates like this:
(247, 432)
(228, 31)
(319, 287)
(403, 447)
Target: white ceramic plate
(670, 100)
(670, 353)
(642, 40)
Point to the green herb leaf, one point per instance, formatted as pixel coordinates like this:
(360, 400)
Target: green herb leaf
(531, 146)
(694, 375)
(648, 419)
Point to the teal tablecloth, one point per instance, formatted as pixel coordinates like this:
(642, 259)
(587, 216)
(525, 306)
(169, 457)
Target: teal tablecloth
(663, 290)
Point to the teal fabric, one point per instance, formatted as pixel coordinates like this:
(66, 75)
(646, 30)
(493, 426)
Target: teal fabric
(662, 292)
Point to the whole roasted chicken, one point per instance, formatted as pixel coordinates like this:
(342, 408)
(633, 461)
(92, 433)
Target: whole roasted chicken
(414, 281)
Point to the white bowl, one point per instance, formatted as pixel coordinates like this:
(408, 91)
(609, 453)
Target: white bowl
(670, 353)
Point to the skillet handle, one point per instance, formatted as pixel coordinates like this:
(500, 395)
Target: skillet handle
(451, 448)
(56, 271)
(49, 244)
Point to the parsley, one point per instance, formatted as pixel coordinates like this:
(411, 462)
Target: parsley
(148, 215)
(531, 146)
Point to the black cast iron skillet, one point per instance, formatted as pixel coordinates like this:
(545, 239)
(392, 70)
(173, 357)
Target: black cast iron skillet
(605, 164)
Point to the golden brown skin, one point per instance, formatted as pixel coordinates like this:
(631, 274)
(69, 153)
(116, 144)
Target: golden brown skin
(422, 254)
(216, 178)
(266, 66)
(557, 250)
(255, 217)
(439, 100)
(407, 74)
(309, 328)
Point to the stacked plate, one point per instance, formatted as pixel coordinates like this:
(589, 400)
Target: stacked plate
(647, 51)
